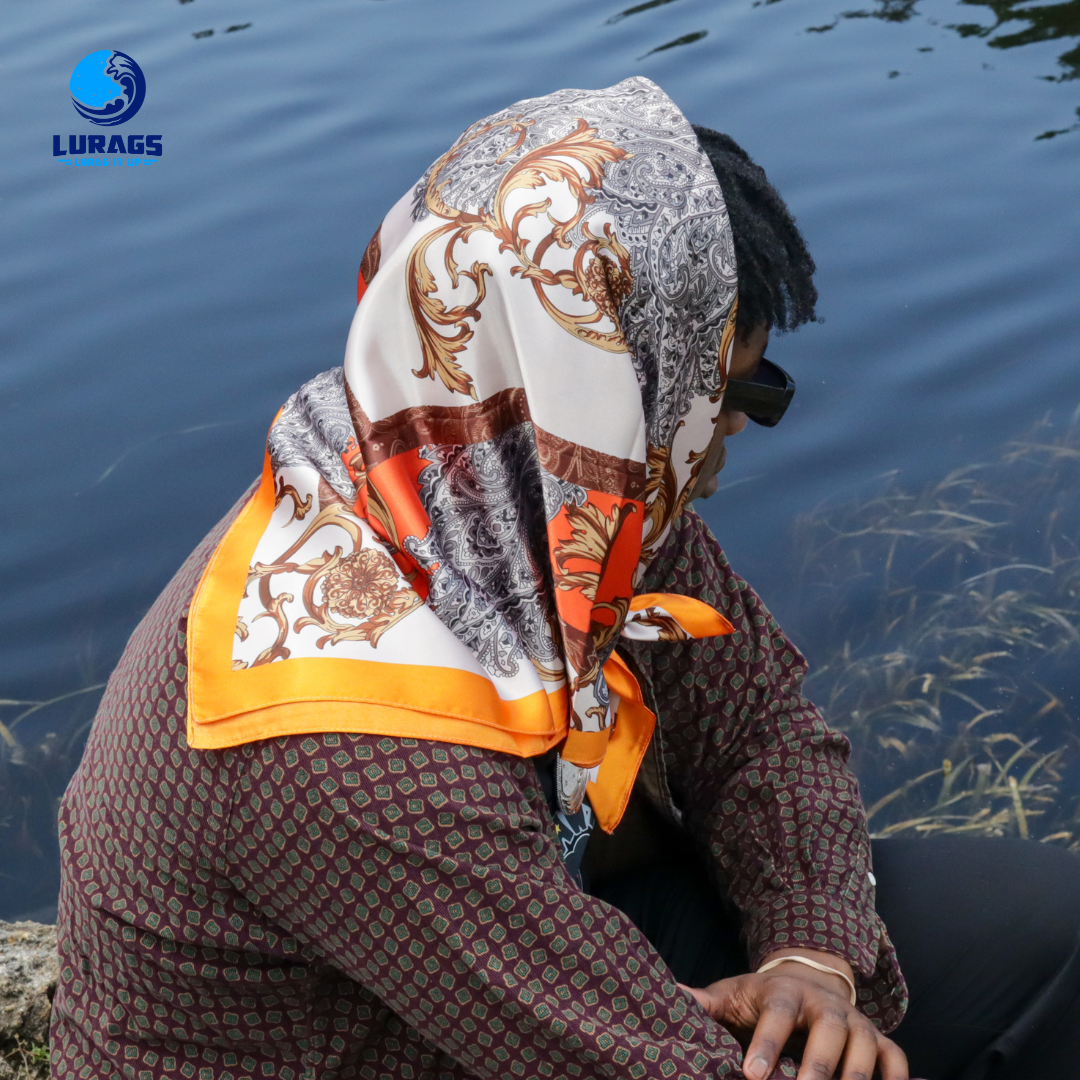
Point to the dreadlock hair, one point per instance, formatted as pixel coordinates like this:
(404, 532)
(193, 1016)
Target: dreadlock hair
(776, 286)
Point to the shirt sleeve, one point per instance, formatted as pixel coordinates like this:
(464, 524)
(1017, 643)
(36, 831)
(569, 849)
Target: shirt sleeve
(429, 875)
(762, 784)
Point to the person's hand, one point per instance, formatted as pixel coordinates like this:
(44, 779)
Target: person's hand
(795, 999)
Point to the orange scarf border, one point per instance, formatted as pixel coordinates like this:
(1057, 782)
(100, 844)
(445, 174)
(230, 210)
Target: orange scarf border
(309, 695)
(298, 695)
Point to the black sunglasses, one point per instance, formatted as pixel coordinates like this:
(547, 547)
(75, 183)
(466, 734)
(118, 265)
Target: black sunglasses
(765, 397)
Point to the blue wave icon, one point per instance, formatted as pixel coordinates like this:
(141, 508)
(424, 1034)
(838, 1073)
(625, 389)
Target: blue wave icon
(107, 87)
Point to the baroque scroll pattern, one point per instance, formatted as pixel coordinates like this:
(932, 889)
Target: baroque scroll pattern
(352, 594)
(600, 268)
(675, 271)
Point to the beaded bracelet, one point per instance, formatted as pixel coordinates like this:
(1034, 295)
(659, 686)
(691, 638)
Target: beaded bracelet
(811, 964)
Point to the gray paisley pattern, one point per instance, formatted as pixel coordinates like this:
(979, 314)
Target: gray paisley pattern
(313, 430)
(669, 214)
(645, 188)
(559, 493)
(484, 552)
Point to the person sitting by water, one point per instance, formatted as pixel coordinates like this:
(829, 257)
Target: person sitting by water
(334, 815)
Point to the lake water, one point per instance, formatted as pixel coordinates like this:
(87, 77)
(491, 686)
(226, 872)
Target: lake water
(155, 318)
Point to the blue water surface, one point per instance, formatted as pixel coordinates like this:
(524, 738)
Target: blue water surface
(155, 318)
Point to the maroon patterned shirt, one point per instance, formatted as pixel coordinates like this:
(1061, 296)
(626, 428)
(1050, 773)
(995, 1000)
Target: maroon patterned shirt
(354, 906)
(763, 784)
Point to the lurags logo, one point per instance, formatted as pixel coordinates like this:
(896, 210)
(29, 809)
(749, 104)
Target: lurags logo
(107, 88)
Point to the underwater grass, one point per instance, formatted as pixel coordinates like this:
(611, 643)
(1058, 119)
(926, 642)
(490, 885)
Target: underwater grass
(40, 746)
(948, 642)
(946, 631)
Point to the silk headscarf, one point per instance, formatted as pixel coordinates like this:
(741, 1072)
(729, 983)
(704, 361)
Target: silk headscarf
(450, 527)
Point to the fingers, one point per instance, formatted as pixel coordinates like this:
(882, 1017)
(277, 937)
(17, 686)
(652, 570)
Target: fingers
(779, 1015)
(863, 1047)
(892, 1060)
(774, 1007)
(861, 1054)
(841, 1032)
(831, 1027)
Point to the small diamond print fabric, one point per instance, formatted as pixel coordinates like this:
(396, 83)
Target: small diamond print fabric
(763, 784)
(347, 906)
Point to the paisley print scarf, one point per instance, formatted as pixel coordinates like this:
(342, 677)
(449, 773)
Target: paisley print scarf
(450, 527)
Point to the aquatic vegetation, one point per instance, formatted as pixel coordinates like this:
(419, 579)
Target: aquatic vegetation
(35, 765)
(947, 642)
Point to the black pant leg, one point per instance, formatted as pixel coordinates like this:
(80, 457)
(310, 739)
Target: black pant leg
(987, 934)
(1046, 1045)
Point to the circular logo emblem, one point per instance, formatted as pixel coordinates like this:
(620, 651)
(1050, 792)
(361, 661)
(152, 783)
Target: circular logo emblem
(107, 87)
